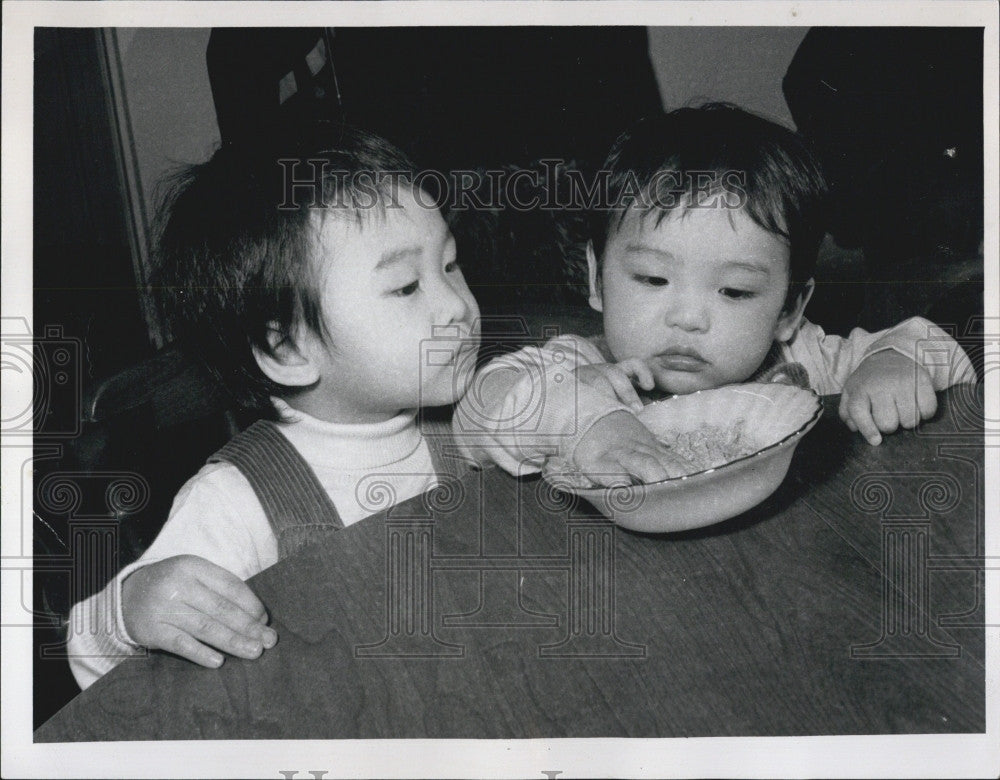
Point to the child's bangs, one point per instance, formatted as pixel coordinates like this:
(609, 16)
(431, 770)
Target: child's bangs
(672, 192)
(361, 197)
(768, 208)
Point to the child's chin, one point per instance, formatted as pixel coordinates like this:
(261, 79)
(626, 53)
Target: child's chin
(445, 395)
(684, 384)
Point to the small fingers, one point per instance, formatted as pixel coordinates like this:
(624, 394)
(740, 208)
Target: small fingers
(926, 399)
(609, 474)
(675, 465)
(644, 466)
(181, 643)
(623, 467)
(226, 584)
(622, 386)
(638, 372)
(210, 630)
(651, 464)
(916, 402)
(884, 412)
(859, 411)
(907, 411)
(226, 626)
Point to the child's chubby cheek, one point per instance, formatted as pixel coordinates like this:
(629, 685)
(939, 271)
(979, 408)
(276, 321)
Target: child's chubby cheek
(448, 371)
(462, 378)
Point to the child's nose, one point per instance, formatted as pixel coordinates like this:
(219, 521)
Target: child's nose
(454, 306)
(688, 312)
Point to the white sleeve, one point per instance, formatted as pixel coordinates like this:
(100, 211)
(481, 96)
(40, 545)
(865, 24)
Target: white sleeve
(527, 405)
(830, 360)
(216, 516)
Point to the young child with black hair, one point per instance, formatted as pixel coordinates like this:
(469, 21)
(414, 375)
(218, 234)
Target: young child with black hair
(701, 263)
(332, 311)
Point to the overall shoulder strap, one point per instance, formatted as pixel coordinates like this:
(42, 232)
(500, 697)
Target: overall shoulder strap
(296, 505)
(448, 460)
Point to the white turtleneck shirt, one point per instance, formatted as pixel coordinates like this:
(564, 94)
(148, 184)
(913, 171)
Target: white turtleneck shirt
(217, 516)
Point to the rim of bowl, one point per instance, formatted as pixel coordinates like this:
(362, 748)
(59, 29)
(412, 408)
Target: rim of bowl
(772, 447)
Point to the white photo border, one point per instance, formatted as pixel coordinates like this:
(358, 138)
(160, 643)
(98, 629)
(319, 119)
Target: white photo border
(865, 756)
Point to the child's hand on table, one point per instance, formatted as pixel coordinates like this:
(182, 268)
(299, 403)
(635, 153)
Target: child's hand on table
(886, 391)
(188, 605)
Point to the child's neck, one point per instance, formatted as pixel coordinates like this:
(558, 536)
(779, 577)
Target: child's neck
(328, 411)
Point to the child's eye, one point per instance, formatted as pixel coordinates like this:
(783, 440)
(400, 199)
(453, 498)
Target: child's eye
(407, 290)
(651, 281)
(735, 294)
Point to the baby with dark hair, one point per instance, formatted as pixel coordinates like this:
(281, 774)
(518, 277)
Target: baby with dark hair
(321, 287)
(701, 262)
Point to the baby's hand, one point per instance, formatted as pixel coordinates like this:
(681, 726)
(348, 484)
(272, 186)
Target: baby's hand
(617, 379)
(179, 603)
(886, 391)
(619, 447)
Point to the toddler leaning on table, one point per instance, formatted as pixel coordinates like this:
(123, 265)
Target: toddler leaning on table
(701, 263)
(316, 316)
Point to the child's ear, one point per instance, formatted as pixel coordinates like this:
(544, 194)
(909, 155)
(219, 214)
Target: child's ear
(286, 363)
(789, 320)
(594, 276)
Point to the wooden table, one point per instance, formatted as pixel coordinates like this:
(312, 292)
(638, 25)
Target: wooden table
(850, 602)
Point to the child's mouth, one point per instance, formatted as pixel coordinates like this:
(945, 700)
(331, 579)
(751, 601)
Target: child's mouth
(681, 359)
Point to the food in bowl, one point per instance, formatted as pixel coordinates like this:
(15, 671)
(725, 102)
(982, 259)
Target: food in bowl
(732, 448)
(709, 446)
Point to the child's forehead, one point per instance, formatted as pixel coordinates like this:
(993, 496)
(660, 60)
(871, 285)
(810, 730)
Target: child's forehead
(705, 230)
(365, 234)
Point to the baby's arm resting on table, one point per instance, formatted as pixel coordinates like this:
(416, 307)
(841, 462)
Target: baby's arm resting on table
(887, 391)
(211, 520)
(886, 379)
(526, 406)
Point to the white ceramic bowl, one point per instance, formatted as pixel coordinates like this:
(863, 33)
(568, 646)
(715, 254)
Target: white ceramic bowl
(775, 417)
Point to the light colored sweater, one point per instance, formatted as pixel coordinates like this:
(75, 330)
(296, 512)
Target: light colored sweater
(525, 406)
